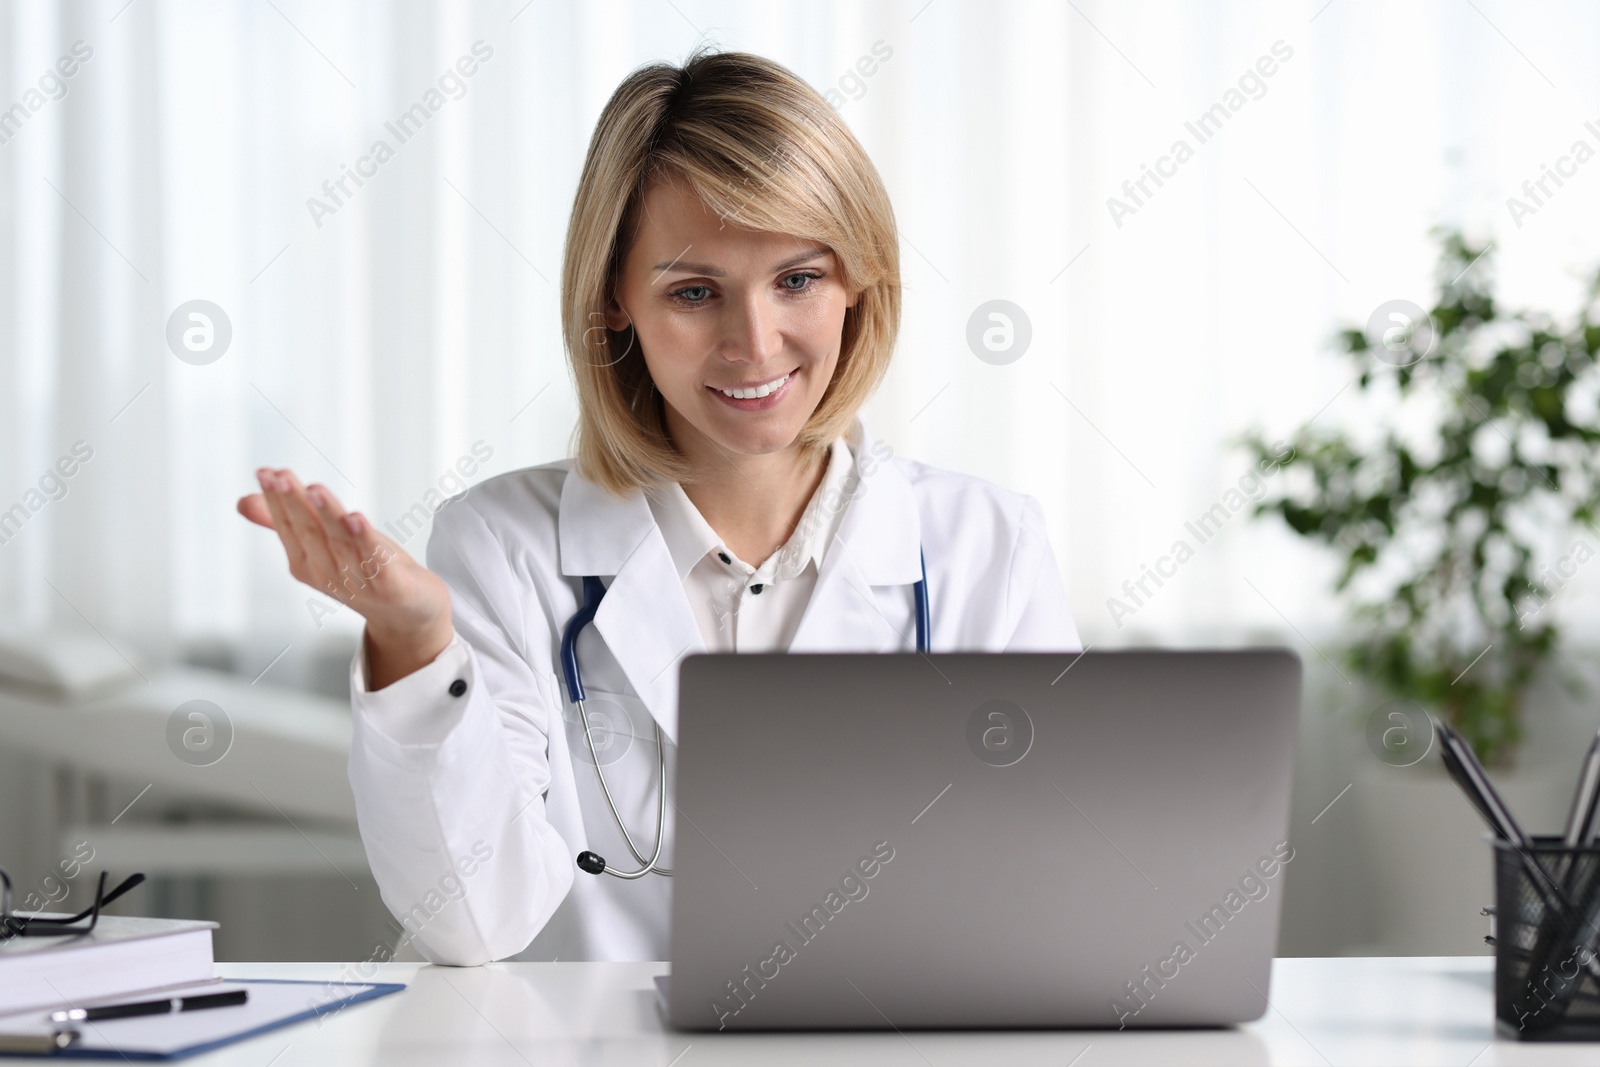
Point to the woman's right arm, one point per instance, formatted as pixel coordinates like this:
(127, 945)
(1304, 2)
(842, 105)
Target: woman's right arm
(448, 760)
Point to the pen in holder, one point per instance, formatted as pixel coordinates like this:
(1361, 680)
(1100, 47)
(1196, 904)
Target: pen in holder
(1546, 946)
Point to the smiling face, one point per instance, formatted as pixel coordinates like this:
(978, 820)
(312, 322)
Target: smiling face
(720, 310)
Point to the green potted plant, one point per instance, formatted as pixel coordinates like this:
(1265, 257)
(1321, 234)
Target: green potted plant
(1461, 512)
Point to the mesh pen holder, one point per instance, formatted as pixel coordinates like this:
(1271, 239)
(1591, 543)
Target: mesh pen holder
(1547, 940)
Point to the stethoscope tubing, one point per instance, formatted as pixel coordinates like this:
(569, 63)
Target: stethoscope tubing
(593, 591)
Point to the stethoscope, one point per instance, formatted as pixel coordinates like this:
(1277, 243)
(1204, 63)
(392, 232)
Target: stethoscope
(593, 591)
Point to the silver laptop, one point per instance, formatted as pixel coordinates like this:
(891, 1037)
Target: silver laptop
(900, 840)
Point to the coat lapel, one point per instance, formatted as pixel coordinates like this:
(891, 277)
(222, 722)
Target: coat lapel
(645, 619)
(878, 543)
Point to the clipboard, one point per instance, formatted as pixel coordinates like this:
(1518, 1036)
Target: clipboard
(274, 1003)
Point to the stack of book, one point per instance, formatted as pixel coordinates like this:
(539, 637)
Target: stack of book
(121, 956)
(143, 989)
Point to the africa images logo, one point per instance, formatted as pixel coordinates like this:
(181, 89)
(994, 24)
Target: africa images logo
(1253, 886)
(852, 887)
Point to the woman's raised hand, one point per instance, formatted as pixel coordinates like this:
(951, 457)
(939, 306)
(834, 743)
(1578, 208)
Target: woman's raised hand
(341, 554)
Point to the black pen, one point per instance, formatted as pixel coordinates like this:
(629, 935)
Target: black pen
(1585, 799)
(1463, 765)
(1469, 775)
(151, 1007)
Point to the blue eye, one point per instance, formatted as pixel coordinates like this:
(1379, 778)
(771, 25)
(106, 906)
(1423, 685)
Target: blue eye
(700, 294)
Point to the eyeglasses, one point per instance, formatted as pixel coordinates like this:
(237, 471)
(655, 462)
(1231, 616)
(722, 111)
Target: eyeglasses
(14, 925)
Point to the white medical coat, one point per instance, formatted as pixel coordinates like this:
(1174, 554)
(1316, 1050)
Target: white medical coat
(472, 808)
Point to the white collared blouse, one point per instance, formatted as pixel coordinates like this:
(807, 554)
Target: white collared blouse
(753, 608)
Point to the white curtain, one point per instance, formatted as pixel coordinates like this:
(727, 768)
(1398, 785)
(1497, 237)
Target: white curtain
(408, 324)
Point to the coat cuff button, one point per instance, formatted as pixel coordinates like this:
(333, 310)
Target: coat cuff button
(458, 687)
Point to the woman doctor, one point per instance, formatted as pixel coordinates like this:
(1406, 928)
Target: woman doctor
(730, 297)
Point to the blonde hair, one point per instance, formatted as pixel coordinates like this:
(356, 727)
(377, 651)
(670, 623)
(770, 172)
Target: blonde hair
(764, 150)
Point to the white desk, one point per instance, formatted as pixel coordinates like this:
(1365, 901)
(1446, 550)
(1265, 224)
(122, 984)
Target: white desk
(1420, 1010)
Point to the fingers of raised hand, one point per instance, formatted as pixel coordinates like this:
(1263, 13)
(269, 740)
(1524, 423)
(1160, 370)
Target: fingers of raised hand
(272, 493)
(311, 559)
(330, 514)
(349, 534)
(334, 551)
(375, 548)
(254, 508)
(330, 555)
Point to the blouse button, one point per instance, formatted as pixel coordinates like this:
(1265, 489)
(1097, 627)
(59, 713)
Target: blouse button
(458, 687)
(757, 588)
(723, 556)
